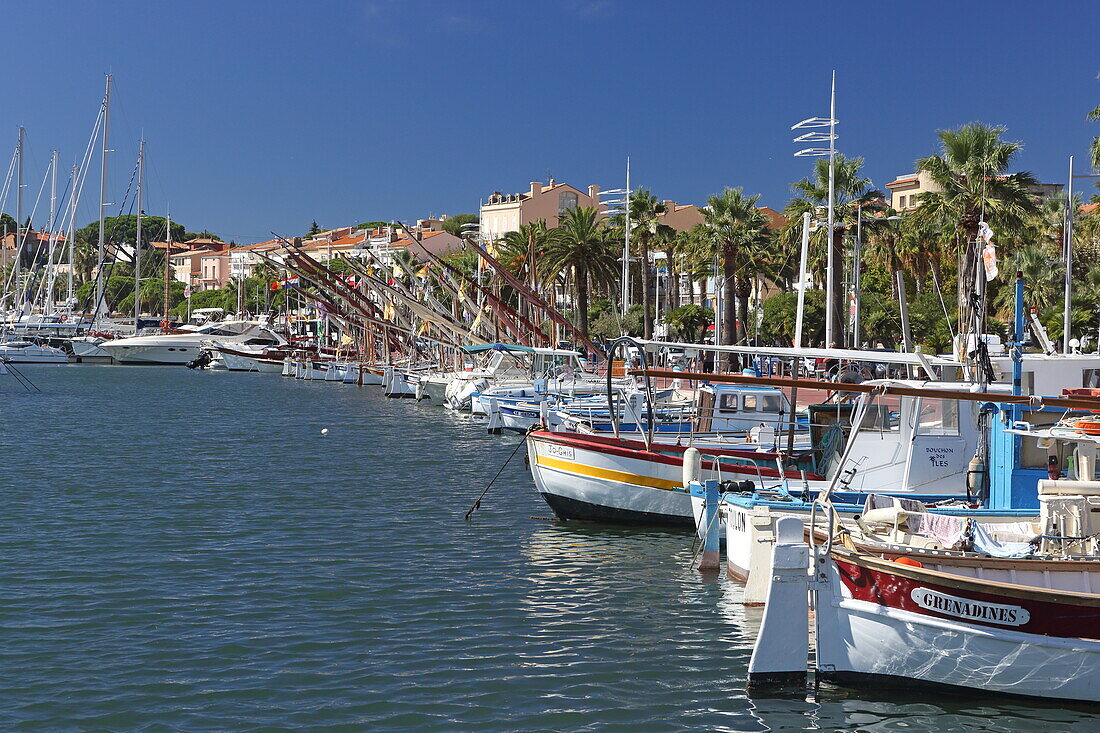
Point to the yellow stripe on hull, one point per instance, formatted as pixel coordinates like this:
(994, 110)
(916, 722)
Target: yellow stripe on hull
(607, 473)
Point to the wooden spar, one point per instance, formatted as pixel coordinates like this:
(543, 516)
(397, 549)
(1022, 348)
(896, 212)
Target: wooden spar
(418, 308)
(312, 270)
(533, 297)
(1072, 403)
(504, 308)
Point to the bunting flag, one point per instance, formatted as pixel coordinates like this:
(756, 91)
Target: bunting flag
(984, 232)
(989, 260)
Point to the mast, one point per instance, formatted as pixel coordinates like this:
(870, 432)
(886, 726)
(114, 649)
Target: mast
(137, 238)
(1068, 286)
(167, 266)
(626, 246)
(52, 273)
(19, 234)
(830, 270)
(72, 225)
(102, 199)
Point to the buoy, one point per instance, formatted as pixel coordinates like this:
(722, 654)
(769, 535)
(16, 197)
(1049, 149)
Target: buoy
(909, 561)
(324, 431)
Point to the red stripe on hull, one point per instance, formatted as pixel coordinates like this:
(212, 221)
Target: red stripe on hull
(667, 453)
(1044, 618)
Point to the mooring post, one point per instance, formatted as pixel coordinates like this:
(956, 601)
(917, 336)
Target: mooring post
(709, 559)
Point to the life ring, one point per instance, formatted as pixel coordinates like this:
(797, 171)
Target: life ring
(63, 319)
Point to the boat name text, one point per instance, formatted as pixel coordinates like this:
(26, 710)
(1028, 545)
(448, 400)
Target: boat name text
(967, 608)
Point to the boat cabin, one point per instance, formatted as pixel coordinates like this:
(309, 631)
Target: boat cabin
(738, 408)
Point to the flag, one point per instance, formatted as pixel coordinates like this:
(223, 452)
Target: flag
(984, 232)
(276, 285)
(989, 259)
(187, 291)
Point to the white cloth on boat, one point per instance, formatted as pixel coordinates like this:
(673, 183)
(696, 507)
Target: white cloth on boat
(947, 530)
(1011, 531)
(984, 542)
(882, 501)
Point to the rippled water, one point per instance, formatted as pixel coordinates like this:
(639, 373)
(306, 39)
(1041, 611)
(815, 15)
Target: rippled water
(183, 550)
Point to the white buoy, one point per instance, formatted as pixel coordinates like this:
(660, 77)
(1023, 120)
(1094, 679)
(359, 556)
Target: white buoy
(324, 431)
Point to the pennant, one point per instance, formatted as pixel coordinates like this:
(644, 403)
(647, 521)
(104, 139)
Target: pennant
(989, 259)
(984, 232)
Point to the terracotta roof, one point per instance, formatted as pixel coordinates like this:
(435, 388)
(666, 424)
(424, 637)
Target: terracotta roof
(1088, 208)
(405, 242)
(775, 219)
(901, 180)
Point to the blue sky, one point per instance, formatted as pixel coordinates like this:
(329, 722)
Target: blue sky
(261, 116)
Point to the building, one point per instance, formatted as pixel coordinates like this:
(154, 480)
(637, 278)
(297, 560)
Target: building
(502, 213)
(905, 190)
(201, 263)
(681, 217)
(35, 246)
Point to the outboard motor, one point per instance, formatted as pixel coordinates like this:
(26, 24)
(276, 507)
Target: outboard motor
(201, 361)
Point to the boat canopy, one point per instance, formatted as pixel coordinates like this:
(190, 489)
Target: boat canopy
(479, 348)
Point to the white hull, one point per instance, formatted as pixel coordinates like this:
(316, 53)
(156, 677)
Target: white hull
(857, 637)
(583, 484)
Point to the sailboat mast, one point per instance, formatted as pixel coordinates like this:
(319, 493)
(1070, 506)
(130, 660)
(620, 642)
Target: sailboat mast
(19, 235)
(52, 267)
(137, 238)
(72, 226)
(102, 199)
(167, 267)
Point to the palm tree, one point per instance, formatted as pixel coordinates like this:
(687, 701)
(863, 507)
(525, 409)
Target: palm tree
(580, 251)
(645, 226)
(970, 171)
(851, 192)
(1094, 149)
(733, 223)
(525, 247)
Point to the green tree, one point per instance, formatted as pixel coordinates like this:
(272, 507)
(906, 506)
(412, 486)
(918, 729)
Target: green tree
(188, 236)
(970, 172)
(689, 322)
(645, 225)
(851, 191)
(314, 228)
(580, 252)
(1094, 148)
(454, 224)
(733, 223)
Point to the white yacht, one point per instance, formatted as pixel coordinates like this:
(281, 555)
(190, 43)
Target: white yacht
(184, 346)
(26, 352)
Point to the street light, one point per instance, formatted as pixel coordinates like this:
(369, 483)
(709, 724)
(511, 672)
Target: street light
(817, 136)
(625, 297)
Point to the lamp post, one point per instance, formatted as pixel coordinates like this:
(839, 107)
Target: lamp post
(621, 206)
(818, 136)
(1067, 253)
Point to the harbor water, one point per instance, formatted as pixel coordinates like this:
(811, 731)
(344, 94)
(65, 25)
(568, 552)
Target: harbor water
(186, 551)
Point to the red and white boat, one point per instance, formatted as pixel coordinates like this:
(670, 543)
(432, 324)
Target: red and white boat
(1031, 629)
(604, 478)
(1024, 627)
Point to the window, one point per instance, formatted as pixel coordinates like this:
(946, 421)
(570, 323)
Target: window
(566, 200)
(938, 417)
(750, 402)
(728, 403)
(771, 403)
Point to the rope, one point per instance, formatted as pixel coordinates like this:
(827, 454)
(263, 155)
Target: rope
(477, 504)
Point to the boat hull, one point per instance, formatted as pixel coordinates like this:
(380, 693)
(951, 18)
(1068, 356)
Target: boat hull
(871, 623)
